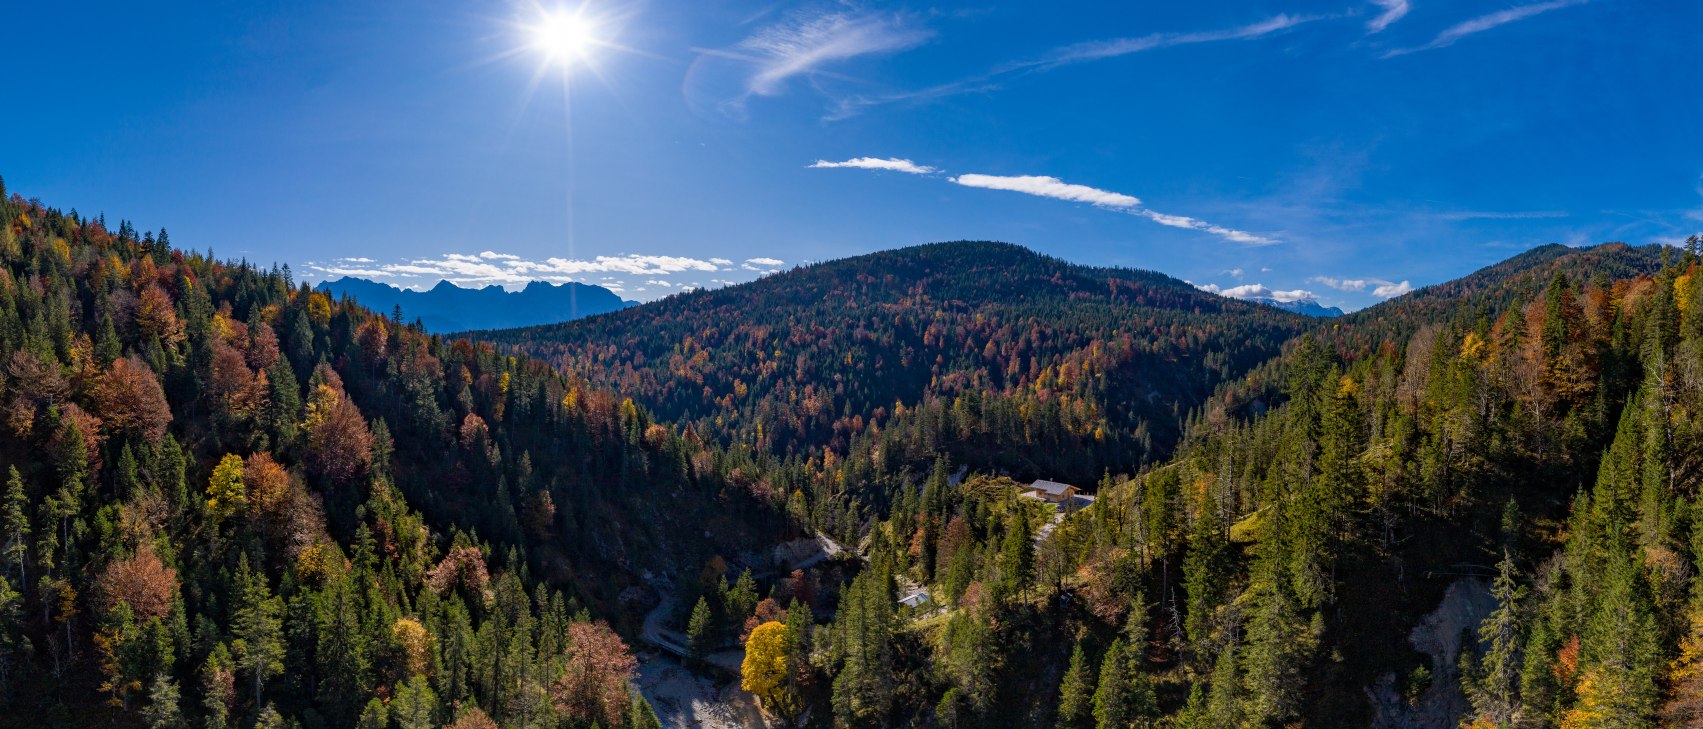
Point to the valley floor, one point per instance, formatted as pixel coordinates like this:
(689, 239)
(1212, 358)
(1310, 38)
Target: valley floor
(683, 700)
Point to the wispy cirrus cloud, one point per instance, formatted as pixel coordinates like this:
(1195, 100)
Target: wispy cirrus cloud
(850, 106)
(1229, 234)
(893, 164)
(1380, 288)
(1392, 10)
(1697, 212)
(1483, 23)
(1114, 47)
(804, 43)
(1057, 189)
(1042, 186)
(1053, 187)
(1501, 215)
(1065, 55)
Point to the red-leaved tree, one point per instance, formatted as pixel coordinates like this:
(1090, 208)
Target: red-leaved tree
(143, 581)
(129, 399)
(594, 686)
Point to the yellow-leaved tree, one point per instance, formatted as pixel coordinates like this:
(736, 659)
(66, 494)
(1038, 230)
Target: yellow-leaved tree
(226, 492)
(764, 672)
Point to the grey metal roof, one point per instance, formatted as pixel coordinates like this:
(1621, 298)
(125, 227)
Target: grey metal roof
(1052, 487)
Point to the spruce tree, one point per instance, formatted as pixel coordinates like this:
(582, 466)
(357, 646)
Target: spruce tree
(699, 630)
(1016, 555)
(1493, 685)
(1620, 655)
(162, 711)
(1076, 693)
(259, 644)
(374, 716)
(415, 705)
(1117, 702)
(1205, 572)
(1276, 646)
(863, 690)
(15, 519)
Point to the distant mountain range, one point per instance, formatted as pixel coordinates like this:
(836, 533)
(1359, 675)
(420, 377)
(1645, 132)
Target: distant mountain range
(449, 308)
(1306, 307)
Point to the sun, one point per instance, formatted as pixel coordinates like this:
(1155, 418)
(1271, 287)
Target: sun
(565, 38)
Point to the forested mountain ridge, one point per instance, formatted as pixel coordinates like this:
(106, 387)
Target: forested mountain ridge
(1524, 463)
(1485, 293)
(1502, 451)
(1091, 365)
(1520, 278)
(1491, 520)
(231, 501)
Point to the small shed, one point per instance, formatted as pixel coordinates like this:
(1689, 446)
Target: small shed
(915, 599)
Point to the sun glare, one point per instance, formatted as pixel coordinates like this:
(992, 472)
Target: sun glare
(564, 37)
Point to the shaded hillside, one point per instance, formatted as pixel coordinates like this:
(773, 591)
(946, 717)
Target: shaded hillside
(993, 353)
(447, 308)
(226, 500)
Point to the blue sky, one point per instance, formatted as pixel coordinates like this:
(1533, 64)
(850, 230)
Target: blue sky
(1344, 150)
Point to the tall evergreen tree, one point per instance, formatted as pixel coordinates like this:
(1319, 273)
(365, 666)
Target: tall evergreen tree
(1205, 571)
(15, 520)
(1493, 685)
(700, 631)
(256, 623)
(1124, 696)
(1076, 693)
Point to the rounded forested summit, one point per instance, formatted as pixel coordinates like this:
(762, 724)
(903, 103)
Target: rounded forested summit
(1098, 361)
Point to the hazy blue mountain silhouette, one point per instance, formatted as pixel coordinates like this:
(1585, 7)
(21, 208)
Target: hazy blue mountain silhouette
(449, 308)
(1306, 307)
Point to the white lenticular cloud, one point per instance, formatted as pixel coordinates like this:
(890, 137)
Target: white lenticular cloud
(892, 164)
(764, 261)
(1052, 187)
